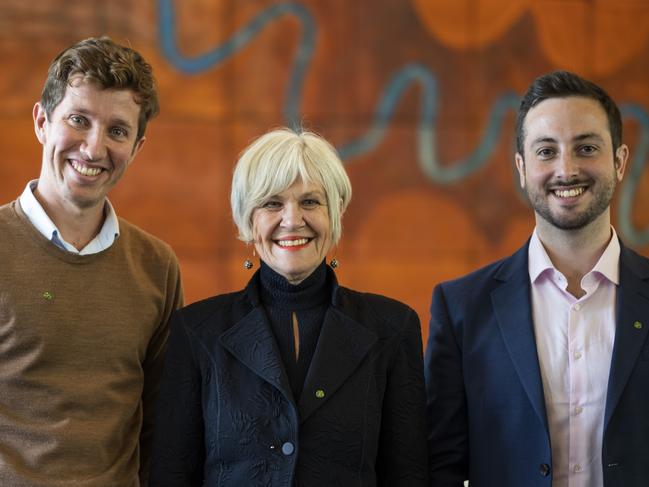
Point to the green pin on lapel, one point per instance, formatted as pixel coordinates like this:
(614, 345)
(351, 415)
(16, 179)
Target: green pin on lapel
(637, 325)
(319, 393)
(48, 295)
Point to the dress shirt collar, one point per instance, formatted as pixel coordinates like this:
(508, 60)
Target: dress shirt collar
(607, 265)
(37, 216)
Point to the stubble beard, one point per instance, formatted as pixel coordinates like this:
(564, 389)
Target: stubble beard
(603, 193)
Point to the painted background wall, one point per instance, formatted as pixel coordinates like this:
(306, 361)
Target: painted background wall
(418, 95)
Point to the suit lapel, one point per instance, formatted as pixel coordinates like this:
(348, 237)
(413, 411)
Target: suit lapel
(342, 345)
(252, 342)
(511, 302)
(632, 325)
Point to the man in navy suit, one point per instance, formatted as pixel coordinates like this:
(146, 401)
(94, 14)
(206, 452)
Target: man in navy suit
(537, 366)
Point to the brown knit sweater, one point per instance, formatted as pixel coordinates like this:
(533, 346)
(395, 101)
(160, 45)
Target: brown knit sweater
(81, 345)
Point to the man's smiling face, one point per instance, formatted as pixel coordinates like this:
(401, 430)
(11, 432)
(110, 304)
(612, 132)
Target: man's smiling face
(88, 142)
(569, 170)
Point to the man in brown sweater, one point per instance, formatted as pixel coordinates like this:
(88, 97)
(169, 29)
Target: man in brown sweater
(85, 297)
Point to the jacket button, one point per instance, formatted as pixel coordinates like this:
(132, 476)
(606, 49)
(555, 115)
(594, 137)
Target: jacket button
(544, 469)
(288, 448)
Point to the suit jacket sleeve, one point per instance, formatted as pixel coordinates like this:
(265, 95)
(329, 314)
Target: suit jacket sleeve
(446, 399)
(153, 365)
(178, 452)
(402, 457)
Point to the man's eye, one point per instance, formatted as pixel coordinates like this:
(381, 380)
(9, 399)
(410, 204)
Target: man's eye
(545, 153)
(118, 132)
(588, 149)
(78, 120)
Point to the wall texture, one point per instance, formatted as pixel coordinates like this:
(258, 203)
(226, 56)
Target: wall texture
(418, 96)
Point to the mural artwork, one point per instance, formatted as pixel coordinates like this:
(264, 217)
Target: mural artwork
(418, 96)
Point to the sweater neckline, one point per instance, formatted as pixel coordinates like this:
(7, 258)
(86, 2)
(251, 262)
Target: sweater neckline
(52, 249)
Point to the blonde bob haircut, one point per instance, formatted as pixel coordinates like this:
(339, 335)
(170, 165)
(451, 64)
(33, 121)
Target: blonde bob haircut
(276, 160)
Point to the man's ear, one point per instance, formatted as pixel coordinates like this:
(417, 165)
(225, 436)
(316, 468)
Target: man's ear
(137, 147)
(620, 159)
(520, 166)
(40, 119)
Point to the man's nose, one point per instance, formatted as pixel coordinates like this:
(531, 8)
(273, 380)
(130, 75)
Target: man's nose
(93, 147)
(567, 166)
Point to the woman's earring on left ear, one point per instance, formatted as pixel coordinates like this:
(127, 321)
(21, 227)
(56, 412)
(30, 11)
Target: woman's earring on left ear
(333, 263)
(247, 264)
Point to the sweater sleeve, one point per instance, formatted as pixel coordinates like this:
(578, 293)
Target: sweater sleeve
(153, 365)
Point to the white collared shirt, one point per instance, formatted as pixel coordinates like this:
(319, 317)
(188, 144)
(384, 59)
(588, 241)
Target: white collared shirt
(574, 341)
(43, 223)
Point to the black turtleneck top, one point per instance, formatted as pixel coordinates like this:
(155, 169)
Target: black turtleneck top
(309, 301)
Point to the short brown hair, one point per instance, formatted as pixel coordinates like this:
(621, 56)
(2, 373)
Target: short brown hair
(111, 66)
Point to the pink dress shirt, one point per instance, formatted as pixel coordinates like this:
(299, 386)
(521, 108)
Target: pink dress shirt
(574, 341)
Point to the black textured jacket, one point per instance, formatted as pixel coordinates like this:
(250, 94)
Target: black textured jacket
(227, 417)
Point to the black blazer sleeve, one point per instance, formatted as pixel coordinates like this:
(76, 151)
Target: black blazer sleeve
(178, 453)
(402, 455)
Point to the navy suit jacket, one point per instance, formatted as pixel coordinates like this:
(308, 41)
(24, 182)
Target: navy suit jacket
(486, 408)
(227, 416)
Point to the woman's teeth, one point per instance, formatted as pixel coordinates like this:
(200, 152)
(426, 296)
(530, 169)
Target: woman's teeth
(293, 243)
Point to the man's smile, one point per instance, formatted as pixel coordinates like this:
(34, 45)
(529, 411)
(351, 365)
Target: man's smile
(84, 169)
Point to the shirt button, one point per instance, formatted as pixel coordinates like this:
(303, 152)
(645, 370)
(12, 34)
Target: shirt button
(577, 306)
(577, 468)
(578, 410)
(288, 448)
(577, 355)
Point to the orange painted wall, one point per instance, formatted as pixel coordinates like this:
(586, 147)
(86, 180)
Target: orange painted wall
(419, 96)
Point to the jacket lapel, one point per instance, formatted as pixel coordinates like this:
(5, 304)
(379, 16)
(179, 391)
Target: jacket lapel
(252, 342)
(632, 325)
(342, 345)
(512, 305)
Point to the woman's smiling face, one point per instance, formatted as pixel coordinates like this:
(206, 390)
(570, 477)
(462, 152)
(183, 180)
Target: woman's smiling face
(292, 230)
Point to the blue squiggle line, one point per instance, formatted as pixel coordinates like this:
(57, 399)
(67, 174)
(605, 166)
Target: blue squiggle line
(408, 76)
(427, 148)
(203, 62)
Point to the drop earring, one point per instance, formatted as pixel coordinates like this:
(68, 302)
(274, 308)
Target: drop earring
(333, 263)
(247, 264)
